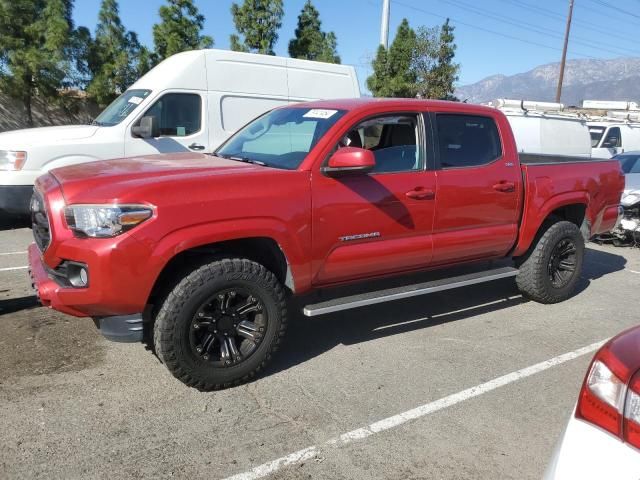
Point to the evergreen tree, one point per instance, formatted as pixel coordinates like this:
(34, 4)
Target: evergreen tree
(179, 29)
(34, 38)
(258, 22)
(78, 53)
(310, 42)
(445, 73)
(436, 73)
(392, 73)
(114, 57)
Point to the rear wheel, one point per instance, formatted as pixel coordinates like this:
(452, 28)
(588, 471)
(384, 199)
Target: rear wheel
(220, 325)
(551, 269)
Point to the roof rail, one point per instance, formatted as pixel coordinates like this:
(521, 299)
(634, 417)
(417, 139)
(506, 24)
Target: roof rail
(526, 105)
(610, 105)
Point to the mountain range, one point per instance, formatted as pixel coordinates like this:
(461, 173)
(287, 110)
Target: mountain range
(614, 79)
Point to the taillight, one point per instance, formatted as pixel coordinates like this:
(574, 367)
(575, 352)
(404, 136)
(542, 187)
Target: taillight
(601, 398)
(610, 397)
(632, 412)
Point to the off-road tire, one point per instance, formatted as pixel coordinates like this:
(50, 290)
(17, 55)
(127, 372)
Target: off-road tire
(173, 320)
(533, 276)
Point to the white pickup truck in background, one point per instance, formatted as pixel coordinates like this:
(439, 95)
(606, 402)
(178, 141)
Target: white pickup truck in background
(191, 101)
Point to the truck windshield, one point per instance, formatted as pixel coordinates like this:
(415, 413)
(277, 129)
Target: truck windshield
(121, 107)
(281, 138)
(596, 135)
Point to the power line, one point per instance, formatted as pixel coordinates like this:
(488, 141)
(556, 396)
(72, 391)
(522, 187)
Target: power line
(558, 17)
(606, 12)
(539, 29)
(617, 9)
(493, 32)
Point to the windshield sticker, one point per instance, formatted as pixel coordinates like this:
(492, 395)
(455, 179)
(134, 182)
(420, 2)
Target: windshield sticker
(136, 100)
(320, 113)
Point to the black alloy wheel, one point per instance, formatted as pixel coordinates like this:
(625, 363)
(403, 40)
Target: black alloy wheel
(221, 323)
(228, 327)
(562, 263)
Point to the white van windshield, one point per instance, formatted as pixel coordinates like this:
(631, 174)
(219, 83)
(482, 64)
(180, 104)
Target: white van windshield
(121, 107)
(281, 138)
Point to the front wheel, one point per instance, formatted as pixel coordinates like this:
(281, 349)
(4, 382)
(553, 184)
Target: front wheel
(550, 271)
(220, 325)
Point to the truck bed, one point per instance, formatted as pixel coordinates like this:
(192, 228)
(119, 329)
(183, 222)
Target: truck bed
(579, 187)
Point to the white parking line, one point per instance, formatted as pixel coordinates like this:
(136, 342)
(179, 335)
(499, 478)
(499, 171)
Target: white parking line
(632, 271)
(13, 253)
(404, 417)
(8, 269)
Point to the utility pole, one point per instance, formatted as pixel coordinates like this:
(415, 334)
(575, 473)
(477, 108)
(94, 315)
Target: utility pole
(384, 25)
(564, 53)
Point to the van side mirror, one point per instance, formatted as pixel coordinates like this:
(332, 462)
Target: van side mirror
(147, 128)
(350, 161)
(610, 142)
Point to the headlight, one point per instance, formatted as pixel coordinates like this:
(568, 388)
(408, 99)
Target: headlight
(630, 198)
(101, 221)
(12, 160)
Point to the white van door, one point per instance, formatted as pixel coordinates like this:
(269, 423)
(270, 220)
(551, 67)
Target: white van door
(181, 119)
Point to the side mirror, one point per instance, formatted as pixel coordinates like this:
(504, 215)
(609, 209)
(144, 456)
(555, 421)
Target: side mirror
(350, 161)
(611, 142)
(148, 128)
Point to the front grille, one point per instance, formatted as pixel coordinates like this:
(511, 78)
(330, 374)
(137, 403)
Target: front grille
(40, 222)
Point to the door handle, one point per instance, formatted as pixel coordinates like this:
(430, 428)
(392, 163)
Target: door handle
(196, 146)
(505, 187)
(420, 193)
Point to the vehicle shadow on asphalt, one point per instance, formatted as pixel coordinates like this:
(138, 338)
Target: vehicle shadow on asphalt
(309, 337)
(14, 223)
(13, 305)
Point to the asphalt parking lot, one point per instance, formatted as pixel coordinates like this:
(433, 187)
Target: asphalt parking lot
(471, 383)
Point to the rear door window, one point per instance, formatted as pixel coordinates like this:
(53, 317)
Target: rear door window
(467, 140)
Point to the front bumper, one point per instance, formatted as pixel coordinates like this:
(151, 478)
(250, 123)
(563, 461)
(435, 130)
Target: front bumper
(118, 328)
(46, 288)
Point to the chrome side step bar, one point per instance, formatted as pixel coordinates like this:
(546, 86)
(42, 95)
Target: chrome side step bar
(390, 294)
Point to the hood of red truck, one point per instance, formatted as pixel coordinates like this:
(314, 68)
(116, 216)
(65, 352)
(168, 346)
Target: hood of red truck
(152, 167)
(111, 180)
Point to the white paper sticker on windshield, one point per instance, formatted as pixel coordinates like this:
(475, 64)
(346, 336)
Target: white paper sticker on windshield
(320, 113)
(136, 100)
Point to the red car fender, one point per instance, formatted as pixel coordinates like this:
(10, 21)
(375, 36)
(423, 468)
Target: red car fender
(237, 229)
(537, 211)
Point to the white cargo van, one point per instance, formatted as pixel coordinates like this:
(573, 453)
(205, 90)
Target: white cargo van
(544, 128)
(191, 101)
(611, 138)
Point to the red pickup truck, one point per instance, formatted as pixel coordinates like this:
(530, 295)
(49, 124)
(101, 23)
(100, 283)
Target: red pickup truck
(201, 251)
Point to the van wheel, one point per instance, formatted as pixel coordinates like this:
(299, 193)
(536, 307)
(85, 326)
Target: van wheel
(551, 269)
(221, 324)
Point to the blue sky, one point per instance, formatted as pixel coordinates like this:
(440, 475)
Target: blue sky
(493, 36)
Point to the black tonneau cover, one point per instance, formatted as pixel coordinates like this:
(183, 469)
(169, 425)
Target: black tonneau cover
(545, 159)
